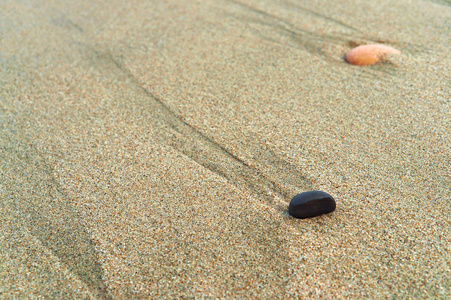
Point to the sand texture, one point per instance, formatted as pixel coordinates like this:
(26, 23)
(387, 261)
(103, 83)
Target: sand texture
(149, 149)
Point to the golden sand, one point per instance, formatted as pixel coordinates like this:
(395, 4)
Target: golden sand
(149, 149)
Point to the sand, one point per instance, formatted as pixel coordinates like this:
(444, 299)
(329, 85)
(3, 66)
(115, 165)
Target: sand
(149, 149)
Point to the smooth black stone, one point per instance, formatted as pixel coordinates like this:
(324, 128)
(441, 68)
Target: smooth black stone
(311, 204)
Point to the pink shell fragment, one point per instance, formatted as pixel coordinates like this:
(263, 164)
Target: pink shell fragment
(366, 55)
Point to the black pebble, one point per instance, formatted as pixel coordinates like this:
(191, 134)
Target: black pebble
(311, 204)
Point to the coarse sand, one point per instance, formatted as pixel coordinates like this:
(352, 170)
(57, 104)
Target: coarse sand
(149, 149)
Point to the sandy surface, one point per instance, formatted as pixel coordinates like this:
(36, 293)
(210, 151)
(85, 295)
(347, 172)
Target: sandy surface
(149, 149)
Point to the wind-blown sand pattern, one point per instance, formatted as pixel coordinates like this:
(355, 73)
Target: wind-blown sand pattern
(149, 149)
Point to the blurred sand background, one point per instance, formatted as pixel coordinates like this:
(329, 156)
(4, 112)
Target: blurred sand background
(149, 149)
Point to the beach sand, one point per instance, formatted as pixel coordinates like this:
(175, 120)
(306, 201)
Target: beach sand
(149, 149)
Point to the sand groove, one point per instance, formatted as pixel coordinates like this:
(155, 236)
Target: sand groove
(281, 181)
(47, 212)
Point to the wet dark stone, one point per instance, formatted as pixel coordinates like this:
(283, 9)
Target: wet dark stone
(311, 204)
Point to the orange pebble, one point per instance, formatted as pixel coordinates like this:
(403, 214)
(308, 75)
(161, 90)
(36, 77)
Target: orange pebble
(366, 55)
